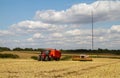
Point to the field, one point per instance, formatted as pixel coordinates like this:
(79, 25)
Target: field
(28, 68)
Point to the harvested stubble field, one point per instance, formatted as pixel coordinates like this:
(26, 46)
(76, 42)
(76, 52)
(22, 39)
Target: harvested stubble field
(28, 68)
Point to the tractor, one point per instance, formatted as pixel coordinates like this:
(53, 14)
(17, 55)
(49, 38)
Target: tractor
(49, 54)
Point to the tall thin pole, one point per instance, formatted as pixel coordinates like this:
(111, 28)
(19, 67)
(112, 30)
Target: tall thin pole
(92, 31)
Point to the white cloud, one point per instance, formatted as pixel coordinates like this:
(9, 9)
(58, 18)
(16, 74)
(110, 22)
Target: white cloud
(81, 13)
(30, 40)
(5, 33)
(37, 35)
(27, 27)
(57, 35)
(68, 38)
(74, 32)
(115, 28)
(30, 25)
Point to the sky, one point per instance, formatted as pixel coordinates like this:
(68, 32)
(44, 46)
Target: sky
(60, 24)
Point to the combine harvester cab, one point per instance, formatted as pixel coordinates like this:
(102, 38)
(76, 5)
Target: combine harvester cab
(49, 54)
(82, 57)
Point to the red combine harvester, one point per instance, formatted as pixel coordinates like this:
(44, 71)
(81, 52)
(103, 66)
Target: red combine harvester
(49, 54)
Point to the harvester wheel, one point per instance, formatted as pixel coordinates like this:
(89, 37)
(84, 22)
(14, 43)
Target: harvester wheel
(42, 58)
(47, 58)
(57, 59)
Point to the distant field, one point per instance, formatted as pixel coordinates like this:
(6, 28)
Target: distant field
(23, 54)
(28, 68)
(28, 54)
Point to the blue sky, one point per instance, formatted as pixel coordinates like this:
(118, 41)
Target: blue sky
(62, 24)
(13, 11)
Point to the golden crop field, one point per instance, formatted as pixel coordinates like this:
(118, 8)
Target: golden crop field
(28, 68)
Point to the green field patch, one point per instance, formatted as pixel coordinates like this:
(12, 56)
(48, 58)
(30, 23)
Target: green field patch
(8, 55)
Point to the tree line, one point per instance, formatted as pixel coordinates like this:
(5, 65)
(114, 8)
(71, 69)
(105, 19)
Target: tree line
(19, 49)
(97, 51)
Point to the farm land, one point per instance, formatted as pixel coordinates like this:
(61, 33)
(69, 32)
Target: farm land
(25, 67)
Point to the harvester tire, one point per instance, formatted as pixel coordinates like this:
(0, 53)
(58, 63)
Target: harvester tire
(57, 59)
(42, 58)
(47, 58)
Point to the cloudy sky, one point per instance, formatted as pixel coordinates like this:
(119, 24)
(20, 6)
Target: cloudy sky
(61, 24)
